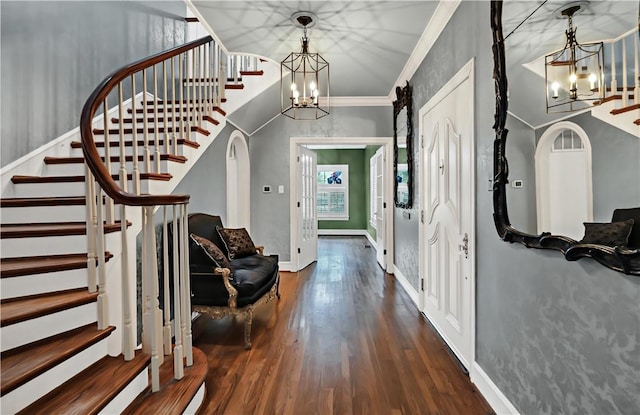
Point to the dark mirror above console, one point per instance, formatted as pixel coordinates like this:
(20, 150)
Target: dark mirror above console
(403, 148)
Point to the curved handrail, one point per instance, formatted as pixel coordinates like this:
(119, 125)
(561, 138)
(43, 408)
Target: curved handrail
(89, 149)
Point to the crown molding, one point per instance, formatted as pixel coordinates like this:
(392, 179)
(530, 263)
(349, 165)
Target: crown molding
(439, 20)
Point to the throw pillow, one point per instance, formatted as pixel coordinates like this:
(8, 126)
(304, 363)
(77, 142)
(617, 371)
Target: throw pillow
(212, 251)
(609, 234)
(237, 241)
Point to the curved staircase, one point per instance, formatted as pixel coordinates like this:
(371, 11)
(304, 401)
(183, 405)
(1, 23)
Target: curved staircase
(68, 233)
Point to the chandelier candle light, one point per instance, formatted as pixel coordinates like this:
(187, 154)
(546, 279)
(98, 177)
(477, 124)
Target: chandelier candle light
(574, 75)
(303, 75)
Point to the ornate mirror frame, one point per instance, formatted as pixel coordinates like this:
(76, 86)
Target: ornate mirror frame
(616, 258)
(403, 100)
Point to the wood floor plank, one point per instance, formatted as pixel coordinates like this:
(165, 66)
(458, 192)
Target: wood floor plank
(344, 339)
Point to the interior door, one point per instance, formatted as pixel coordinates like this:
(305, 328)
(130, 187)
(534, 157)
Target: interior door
(379, 212)
(448, 216)
(306, 205)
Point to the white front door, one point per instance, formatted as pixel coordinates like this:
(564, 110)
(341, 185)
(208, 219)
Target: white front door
(379, 210)
(447, 234)
(307, 240)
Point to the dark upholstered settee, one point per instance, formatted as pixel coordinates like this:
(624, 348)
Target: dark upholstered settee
(251, 280)
(620, 215)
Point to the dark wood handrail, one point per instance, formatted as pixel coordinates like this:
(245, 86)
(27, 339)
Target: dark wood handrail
(91, 155)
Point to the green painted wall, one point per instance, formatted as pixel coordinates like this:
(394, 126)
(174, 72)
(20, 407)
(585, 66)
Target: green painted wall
(369, 152)
(358, 185)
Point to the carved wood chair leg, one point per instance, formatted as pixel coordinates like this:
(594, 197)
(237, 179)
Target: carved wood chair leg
(248, 319)
(278, 286)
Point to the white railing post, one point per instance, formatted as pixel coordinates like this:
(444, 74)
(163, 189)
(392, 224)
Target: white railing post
(222, 77)
(625, 94)
(102, 303)
(614, 81)
(156, 127)
(134, 128)
(216, 75)
(636, 70)
(145, 123)
(194, 102)
(165, 109)
(165, 281)
(203, 80)
(150, 343)
(173, 106)
(178, 350)
(92, 220)
(185, 288)
(107, 159)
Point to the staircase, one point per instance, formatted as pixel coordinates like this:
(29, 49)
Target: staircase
(69, 331)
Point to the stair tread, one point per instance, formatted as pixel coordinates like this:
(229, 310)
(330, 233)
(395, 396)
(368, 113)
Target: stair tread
(30, 230)
(92, 389)
(43, 201)
(15, 310)
(17, 267)
(24, 363)
(174, 396)
(129, 143)
(113, 159)
(625, 109)
(150, 130)
(73, 179)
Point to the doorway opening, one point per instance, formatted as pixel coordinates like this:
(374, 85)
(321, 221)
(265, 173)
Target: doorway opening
(238, 182)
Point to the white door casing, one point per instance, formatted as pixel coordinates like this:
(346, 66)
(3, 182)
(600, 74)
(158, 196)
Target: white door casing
(306, 163)
(380, 201)
(447, 226)
(564, 182)
(386, 143)
(238, 182)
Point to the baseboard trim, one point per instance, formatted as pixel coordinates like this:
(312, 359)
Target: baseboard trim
(345, 232)
(406, 285)
(373, 243)
(491, 393)
(284, 266)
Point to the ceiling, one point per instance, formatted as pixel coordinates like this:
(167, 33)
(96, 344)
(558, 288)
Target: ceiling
(368, 43)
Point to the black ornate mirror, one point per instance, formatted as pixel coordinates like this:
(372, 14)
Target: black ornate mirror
(611, 234)
(403, 148)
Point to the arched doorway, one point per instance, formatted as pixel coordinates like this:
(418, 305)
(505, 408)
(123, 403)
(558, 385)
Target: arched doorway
(238, 181)
(564, 195)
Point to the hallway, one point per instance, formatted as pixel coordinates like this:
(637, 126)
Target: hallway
(343, 339)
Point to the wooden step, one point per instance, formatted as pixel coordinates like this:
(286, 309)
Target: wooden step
(625, 109)
(174, 395)
(74, 179)
(38, 230)
(220, 111)
(252, 73)
(113, 159)
(17, 267)
(92, 389)
(42, 201)
(234, 86)
(150, 130)
(15, 310)
(637, 122)
(129, 143)
(140, 121)
(24, 363)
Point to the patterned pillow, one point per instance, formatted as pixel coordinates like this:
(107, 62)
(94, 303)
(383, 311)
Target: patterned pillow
(237, 241)
(212, 251)
(609, 234)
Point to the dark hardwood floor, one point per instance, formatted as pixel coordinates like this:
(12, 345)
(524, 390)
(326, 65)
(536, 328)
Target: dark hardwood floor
(344, 339)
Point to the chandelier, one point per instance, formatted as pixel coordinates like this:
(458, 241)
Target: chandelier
(304, 78)
(574, 75)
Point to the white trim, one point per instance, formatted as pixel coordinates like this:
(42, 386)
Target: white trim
(344, 232)
(406, 285)
(243, 179)
(439, 20)
(466, 72)
(491, 393)
(373, 243)
(354, 101)
(196, 401)
(387, 142)
(285, 266)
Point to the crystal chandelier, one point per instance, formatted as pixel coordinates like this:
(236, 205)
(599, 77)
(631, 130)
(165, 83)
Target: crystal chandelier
(574, 75)
(304, 79)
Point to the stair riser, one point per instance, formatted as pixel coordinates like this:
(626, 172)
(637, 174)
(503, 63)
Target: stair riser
(42, 327)
(51, 245)
(46, 382)
(78, 169)
(115, 151)
(44, 214)
(128, 394)
(42, 283)
(59, 189)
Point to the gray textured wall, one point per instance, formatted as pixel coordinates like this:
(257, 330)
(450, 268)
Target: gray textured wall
(521, 149)
(269, 152)
(54, 53)
(206, 182)
(615, 157)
